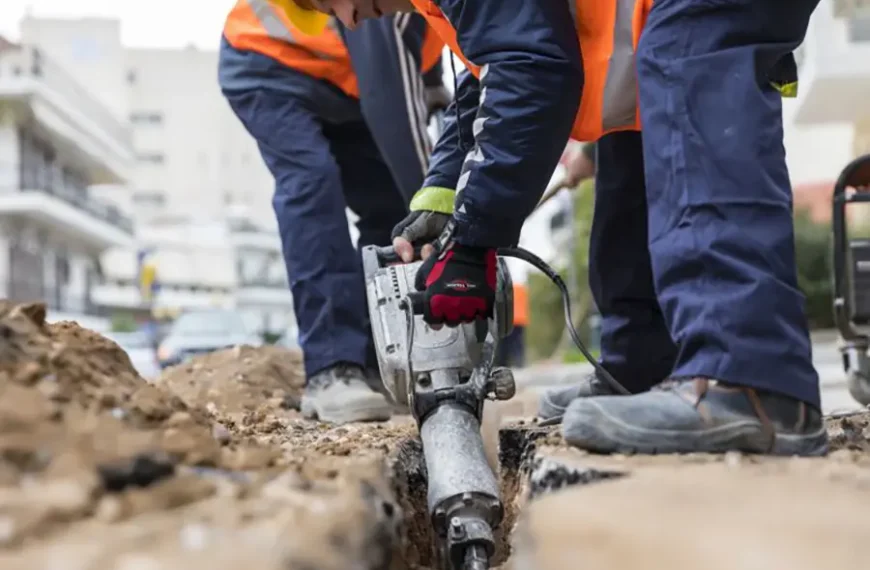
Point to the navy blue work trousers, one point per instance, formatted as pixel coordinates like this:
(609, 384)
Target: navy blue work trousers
(715, 274)
(320, 168)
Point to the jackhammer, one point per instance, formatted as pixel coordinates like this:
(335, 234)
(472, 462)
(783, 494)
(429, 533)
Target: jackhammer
(445, 375)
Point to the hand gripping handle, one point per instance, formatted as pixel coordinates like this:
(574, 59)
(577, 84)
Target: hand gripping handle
(388, 255)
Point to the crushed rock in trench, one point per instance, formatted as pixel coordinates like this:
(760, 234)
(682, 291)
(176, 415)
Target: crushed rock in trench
(211, 466)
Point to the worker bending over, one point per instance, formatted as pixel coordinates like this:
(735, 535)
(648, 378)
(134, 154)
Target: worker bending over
(335, 131)
(718, 196)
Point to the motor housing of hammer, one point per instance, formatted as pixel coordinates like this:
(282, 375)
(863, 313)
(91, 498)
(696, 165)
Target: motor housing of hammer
(407, 348)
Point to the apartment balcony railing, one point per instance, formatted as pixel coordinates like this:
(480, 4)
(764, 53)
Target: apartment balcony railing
(23, 290)
(104, 212)
(29, 63)
(265, 283)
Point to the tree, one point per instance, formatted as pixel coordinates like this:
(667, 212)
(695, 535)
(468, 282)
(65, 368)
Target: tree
(546, 335)
(123, 322)
(813, 249)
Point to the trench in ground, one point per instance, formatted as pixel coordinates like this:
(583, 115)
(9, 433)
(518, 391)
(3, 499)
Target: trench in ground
(521, 477)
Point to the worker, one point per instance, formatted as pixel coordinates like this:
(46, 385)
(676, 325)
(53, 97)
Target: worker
(336, 132)
(512, 349)
(718, 196)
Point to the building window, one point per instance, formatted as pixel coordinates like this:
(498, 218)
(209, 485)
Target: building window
(858, 27)
(152, 157)
(146, 118)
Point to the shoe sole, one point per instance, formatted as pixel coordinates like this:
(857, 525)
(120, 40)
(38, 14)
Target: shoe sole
(594, 430)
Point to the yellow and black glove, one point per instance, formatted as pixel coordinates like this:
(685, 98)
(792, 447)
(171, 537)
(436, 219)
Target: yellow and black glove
(431, 208)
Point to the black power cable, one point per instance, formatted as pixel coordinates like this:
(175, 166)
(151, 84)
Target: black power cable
(543, 267)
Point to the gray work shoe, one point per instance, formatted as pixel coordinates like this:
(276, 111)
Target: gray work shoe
(696, 416)
(340, 395)
(553, 402)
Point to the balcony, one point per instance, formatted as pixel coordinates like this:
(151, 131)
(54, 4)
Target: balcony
(262, 284)
(33, 85)
(834, 65)
(245, 234)
(73, 213)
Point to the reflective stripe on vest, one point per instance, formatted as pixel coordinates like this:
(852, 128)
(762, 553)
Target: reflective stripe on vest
(608, 33)
(619, 107)
(255, 25)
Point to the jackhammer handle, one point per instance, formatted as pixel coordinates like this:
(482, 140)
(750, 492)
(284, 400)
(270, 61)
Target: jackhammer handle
(418, 302)
(387, 254)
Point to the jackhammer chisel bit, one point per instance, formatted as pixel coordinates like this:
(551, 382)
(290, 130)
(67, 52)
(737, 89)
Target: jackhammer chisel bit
(444, 376)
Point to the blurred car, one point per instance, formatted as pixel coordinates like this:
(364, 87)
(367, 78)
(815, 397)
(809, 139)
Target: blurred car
(140, 348)
(204, 331)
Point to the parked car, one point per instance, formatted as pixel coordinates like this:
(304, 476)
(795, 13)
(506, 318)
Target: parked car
(140, 348)
(204, 331)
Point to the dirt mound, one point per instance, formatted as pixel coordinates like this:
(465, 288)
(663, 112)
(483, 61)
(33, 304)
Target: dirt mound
(212, 467)
(101, 470)
(77, 423)
(238, 380)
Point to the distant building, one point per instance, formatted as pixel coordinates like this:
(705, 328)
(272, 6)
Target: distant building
(56, 140)
(193, 174)
(828, 124)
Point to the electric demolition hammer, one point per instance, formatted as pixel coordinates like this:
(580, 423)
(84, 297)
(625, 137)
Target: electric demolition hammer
(445, 376)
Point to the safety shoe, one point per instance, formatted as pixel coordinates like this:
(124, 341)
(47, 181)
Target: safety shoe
(553, 402)
(696, 415)
(341, 394)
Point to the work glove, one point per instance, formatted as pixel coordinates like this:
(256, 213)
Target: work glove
(458, 282)
(431, 208)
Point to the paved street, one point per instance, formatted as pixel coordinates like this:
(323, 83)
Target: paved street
(829, 364)
(826, 357)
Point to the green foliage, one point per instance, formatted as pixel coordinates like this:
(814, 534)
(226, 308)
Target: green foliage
(546, 335)
(574, 356)
(545, 327)
(813, 249)
(270, 337)
(123, 322)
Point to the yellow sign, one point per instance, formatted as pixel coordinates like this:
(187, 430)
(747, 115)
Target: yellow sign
(147, 276)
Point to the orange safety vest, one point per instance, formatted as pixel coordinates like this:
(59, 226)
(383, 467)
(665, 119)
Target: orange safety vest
(608, 31)
(521, 305)
(433, 49)
(255, 25)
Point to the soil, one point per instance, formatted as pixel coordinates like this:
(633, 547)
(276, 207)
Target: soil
(800, 514)
(211, 466)
(100, 469)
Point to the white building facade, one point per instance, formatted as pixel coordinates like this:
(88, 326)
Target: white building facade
(828, 124)
(194, 176)
(56, 140)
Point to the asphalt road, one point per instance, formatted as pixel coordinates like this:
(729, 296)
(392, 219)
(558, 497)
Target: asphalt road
(826, 357)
